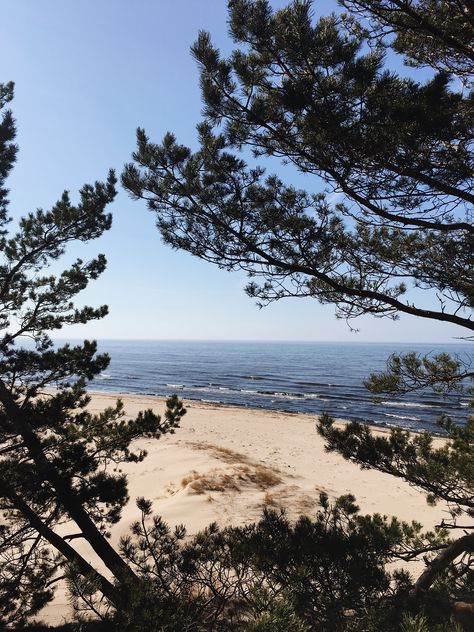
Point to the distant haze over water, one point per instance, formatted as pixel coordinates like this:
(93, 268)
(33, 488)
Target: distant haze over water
(306, 377)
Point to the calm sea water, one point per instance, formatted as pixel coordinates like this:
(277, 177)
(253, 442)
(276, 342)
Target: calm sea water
(307, 377)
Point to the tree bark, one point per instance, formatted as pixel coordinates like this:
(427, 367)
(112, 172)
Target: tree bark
(442, 561)
(65, 493)
(106, 587)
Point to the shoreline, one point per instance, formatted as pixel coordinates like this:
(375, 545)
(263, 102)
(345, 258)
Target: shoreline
(204, 403)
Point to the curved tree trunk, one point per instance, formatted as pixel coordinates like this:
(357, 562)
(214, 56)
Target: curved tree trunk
(106, 587)
(442, 561)
(65, 494)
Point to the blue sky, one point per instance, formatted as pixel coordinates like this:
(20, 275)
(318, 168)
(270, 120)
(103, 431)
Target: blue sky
(87, 74)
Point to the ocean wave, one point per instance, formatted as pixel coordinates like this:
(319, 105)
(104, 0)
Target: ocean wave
(303, 383)
(318, 397)
(403, 417)
(282, 394)
(103, 376)
(407, 404)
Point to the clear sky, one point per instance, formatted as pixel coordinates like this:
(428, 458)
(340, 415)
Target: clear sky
(87, 74)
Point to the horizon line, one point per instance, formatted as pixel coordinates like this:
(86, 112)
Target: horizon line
(459, 340)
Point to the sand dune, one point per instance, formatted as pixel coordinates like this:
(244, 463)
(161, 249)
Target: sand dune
(226, 463)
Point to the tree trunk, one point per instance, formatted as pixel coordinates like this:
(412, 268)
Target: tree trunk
(106, 587)
(65, 493)
(442, 561)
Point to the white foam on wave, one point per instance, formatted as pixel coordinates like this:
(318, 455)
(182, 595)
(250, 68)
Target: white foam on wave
(405, 417)
(103, 376)
(316, 396)
(407, 404)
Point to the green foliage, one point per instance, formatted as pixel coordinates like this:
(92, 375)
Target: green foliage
(433, 34)
(444, 472)
(25, 573)
(396, 151)
(275, 615)
(320, 95)
(8, 149)
(328, 574)
(411, 372)
(420, 623)
(58, 461)
(147, 609)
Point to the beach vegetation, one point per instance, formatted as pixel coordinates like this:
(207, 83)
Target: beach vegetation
(241, 471)
(233, 479)
(419, 623)
(327, 573)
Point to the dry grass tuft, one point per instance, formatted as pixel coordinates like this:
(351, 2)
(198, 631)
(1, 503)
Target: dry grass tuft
(269, 500)
(213, 481)
(292, 499)
(243, 472)
(223, 454)
(264, 477)
(232, 479)
(306, 505)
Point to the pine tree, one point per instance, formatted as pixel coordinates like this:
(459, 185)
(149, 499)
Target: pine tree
(397, 149)
(59, 463)
(429, 34)
(321, 96)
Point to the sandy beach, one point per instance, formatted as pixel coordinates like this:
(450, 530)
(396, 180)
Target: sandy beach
(226, 463)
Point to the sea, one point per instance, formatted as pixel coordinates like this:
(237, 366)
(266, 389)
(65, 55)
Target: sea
(296, 377)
